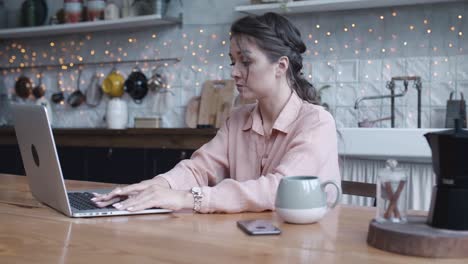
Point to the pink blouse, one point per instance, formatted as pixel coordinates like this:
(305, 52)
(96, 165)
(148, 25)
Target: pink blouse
(240, 168)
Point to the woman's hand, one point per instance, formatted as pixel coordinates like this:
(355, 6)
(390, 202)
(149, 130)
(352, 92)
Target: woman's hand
(157, 196)
(122, 193)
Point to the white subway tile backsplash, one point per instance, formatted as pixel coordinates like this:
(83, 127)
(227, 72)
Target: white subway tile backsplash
(355, 52)
(328, 95)
(347, 71)
(366, 89)
(348, 117)
(370, 70)
(443, 68)
(411, 117)
(419, 66)
(367, 116)
(462, 87)
(462, 67)
(324, 71)
(393, 67)
(346, 94)
(440, 92)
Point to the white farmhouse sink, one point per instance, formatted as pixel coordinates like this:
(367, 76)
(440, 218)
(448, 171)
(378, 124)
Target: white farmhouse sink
(384, 143)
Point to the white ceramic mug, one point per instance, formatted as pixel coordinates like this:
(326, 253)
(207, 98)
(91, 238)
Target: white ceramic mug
(303, 200)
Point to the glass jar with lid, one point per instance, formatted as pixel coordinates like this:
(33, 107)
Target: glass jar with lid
(392, 193)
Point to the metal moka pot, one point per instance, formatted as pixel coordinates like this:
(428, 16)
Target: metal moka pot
(449, 203)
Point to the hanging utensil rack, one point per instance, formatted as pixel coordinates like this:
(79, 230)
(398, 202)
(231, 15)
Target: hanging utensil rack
(73, 65)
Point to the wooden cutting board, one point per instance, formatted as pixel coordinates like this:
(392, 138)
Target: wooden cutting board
(416, 238)
(191, 112)
(217, 98)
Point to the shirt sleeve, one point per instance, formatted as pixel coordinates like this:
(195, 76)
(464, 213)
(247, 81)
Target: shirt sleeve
(207, 166)
(313, 151)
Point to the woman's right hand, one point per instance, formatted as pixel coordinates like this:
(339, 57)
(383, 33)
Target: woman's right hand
(122, 193)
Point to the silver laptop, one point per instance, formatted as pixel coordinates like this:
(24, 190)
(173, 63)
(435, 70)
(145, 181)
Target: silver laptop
(42, 166)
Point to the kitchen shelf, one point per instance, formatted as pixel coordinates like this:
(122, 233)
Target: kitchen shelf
(309, 6)
(90, 26)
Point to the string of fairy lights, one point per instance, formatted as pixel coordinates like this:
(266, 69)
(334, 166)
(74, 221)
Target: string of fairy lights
(203, 46)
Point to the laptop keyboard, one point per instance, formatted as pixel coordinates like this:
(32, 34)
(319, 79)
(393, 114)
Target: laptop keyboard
(82, 201)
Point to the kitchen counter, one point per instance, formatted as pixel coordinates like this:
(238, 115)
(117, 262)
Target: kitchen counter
(366, 143)
(382, 143)
(164, 138)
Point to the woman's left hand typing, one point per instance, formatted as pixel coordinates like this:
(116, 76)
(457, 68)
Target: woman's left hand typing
(157, 196)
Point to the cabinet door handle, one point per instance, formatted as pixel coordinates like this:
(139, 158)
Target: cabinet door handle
(109, 153)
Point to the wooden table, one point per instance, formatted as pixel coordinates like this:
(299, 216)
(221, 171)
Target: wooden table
(33, 233)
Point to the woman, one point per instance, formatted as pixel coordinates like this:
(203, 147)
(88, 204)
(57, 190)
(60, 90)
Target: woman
(282, 134)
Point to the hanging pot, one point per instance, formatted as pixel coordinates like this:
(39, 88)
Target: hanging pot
(77, 97)
(23, 87)
(113, 84)
(136, 85)
(58, 97)
(157, 81)
(94, 91)
(40, 89)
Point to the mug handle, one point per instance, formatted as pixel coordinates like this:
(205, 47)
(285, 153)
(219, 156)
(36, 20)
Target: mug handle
(338, 191)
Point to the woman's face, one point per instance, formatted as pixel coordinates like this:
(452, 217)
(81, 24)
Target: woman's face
(254, 75)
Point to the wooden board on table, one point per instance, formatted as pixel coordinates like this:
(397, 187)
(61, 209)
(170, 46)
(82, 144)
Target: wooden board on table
(416, 238)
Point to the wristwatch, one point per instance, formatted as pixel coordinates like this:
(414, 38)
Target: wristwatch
(197, 198)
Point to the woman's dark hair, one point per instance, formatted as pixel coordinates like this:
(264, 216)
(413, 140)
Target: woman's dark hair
(277, 37)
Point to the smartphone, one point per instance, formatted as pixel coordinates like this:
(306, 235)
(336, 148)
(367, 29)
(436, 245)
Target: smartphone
(258, 227)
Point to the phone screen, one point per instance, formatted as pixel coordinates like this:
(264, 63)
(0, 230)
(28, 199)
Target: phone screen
(258, 227)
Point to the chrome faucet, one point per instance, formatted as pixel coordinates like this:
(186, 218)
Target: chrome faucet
(392, 95)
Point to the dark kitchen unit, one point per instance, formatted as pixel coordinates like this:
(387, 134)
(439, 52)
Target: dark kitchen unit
(113, 156)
